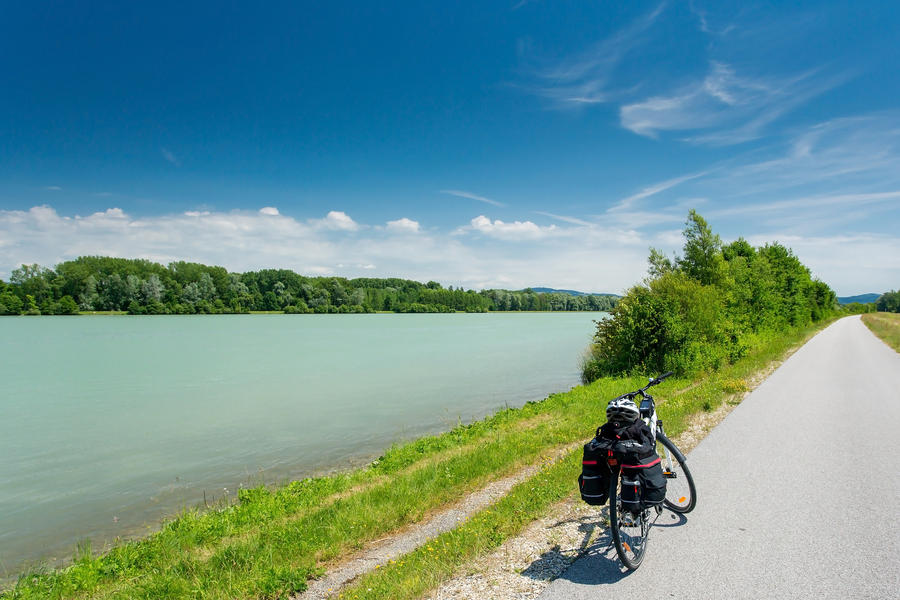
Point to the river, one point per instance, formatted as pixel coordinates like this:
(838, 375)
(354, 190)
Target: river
(109, 424)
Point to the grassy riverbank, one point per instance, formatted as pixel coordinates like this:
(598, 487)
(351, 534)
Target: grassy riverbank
(886, 326)
(271, 542)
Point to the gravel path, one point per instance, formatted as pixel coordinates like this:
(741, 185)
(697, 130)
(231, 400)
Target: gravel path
(402, 542)
(797, 491)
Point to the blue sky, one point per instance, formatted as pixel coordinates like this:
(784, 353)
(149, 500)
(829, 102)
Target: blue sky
(485, 144)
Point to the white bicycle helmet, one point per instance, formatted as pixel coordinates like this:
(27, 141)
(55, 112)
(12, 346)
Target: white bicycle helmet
(622, 410)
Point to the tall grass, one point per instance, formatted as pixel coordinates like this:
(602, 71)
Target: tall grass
(886, 326)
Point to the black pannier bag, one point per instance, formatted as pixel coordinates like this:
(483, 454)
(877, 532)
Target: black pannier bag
(631, 494)
(593, 483)
(633, 446)
(634, 440)
(643, 483)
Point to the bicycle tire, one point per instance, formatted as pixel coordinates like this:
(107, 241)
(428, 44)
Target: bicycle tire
(630, 548)
(679, 498)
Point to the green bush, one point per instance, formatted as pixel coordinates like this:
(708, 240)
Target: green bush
(858, 308)
(672, 324)
(10, 304)
(888, 302)
(707, 308)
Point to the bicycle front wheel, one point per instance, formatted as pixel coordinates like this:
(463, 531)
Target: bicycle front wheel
(681, 493)
(629, 531)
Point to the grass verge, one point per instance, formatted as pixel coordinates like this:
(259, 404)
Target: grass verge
(271, 542)
(886, 326)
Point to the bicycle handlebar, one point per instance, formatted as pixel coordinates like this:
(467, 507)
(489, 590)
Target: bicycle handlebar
(660, 378)
(651, 383)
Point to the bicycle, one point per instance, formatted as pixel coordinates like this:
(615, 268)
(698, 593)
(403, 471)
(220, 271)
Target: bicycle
(630, 530)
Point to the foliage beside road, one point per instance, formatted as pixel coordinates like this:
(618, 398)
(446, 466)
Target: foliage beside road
(888, 302)
(708, 307)
(886, 326)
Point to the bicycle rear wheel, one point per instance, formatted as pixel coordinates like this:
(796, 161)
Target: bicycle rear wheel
(629, 531)
(681, 493)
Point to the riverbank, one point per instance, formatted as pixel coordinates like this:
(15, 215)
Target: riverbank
(272, 541)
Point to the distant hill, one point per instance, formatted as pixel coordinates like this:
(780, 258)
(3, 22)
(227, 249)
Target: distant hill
(862, 298)
(546, 290)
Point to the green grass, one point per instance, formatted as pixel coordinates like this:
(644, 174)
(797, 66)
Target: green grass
(886, 326)
(429, 565)
(271, 541)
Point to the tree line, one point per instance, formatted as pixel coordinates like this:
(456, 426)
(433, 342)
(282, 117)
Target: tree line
(138, 286)
(707, 307)
(888, 302)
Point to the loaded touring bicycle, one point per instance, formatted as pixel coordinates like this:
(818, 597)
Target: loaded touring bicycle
(631, 464)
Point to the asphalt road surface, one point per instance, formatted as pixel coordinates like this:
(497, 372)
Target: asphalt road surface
(798, 491)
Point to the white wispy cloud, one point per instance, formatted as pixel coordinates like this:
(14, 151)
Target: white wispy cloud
(565, 219)
(724, 108)
(522, 3)
(838, 170)
(269, 210)
(652, 190)
(52, 188)
(646, 219)
(471, 196)
(170, 156)
(586, 78)
(846, 153)
(843, 201)
(703, 21)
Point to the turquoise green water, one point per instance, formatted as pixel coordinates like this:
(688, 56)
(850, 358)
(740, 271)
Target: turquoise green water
(108, 424)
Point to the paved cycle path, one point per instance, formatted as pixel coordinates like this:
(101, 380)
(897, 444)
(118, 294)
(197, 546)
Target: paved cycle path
(798, 491)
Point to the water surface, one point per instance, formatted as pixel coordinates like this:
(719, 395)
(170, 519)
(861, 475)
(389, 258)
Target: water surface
(108, 424)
